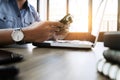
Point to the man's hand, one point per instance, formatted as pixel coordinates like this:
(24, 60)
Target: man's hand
(41, 31)
(61, 33)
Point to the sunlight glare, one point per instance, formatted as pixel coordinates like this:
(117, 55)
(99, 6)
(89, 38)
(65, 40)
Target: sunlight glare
(79, 11)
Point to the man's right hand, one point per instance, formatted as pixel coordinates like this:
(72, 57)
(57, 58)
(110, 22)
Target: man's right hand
(41, 31)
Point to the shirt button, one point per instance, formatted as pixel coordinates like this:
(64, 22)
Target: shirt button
(4, 18)
(18, 15)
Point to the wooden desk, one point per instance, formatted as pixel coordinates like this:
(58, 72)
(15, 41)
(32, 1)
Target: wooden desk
(58, 64)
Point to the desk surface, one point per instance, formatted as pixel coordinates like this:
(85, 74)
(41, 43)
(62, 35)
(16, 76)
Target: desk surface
(58, 64)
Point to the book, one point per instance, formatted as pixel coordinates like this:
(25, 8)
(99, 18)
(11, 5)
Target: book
(108, 69)
(112, 56)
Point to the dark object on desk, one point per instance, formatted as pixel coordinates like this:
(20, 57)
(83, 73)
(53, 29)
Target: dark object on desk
(112, 40)
(112, 56)
(8, 71)
(7, 57)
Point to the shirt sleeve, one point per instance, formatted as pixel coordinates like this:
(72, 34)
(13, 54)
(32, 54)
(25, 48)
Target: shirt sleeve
(37, 17)
(35, 14)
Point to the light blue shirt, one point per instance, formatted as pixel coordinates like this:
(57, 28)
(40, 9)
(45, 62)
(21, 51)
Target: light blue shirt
(12, 17)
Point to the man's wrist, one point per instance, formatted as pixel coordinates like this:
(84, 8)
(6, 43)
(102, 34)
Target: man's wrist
(18, 36)
(27, 35)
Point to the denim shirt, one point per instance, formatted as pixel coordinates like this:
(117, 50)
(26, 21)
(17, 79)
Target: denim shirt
(12, 17)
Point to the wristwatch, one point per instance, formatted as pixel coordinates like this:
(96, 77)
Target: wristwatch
(18, 36)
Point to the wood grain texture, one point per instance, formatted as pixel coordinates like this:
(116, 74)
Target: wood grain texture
(57, 63)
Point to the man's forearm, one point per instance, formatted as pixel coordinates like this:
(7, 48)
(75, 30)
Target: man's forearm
(5, 37)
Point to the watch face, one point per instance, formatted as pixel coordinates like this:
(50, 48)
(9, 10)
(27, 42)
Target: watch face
(17, 35)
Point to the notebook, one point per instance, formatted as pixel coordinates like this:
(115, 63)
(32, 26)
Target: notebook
(65, 44)
(68, 43)
(75, 43)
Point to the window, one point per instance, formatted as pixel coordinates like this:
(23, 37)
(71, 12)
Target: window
(104, 12)
(79, 11)
(56, 9)
(33, 3)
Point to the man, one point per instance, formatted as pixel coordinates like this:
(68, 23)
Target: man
(20, 23)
